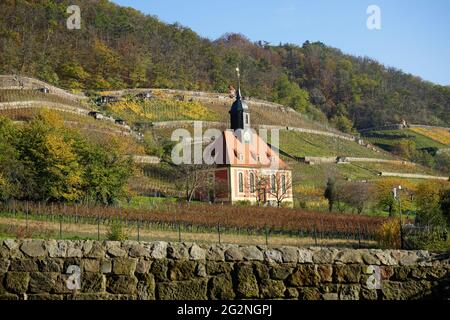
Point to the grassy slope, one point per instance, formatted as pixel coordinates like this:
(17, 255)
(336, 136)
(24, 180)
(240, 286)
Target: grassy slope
(387, 139)
(305, 144)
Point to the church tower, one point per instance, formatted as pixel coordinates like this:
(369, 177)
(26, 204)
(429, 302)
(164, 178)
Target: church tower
(240, 116)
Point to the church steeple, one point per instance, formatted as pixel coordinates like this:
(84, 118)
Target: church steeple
(239, 112)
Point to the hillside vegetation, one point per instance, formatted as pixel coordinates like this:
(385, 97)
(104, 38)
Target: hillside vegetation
(121, 47)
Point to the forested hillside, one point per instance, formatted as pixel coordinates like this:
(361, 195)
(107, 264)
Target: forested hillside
(120, 47)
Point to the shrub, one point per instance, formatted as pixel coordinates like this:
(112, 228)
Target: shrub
(388, 235)
(426, 238)
(116, 232)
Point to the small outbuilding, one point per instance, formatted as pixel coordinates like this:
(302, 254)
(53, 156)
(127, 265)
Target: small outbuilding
(106, 99)
(96, 115)
(144, 96)
(44, 90)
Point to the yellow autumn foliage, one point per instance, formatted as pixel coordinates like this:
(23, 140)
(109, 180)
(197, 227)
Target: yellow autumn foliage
(162, 110)
(388, 235)
(437, 134)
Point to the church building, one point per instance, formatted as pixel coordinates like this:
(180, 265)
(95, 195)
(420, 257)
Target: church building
(247, 168)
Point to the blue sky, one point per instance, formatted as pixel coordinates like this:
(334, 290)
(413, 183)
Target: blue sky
(414, 35)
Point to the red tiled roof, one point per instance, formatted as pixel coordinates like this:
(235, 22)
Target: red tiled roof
(230, 151)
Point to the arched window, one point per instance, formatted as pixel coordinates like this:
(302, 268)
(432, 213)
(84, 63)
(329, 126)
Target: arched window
(283, 184)
(252, 182)
(241, 182)
(272, 184)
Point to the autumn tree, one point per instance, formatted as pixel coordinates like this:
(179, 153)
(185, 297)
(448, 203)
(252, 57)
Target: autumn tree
(356, 194)
(428, 202)
(385, 198)
(48, 152)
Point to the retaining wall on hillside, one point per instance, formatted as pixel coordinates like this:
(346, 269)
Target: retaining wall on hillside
(36, 269)
(19, 82)
(413, 176)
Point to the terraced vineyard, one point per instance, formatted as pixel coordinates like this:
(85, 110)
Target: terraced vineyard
(12, 95)
(160, 110)
(440, 135)
(386, 139)
(301, 144)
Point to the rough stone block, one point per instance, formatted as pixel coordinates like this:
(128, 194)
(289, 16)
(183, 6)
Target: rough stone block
(280, 272)
(121, 284)
(393, 290)
(247, 285)
(304, 275)
(95, 250)
(216, 267)
(292, 293)
(90, 265)
(106, 266)
(4, 265)
(178, 251)
(42, 282)
(348, 256)
(17, 282)
(146, 287)
(197, 253)
(50, 265)
(143, 266)
(158, 250)
(215, 253)
(324, 256)
(24, 265)
(309, 293)
(221, 288)
(349, 292)
(180, 270)
(289, 254)
(368, 294)
(252, 253)
(305, 256)
(182, 290)
(160, 270)
(262, 270)
(234, 254)
(347, 273)
(124, 266)
(34, 248)
(273, 255)
(57, 249)
(272, 289)
(114, 249)
(92, 282)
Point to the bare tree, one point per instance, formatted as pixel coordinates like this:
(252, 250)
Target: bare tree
(261, 184)
(192, 178)
(280, 186)
(355, 194)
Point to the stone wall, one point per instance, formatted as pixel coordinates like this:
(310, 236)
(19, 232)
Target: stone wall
(36, 269)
